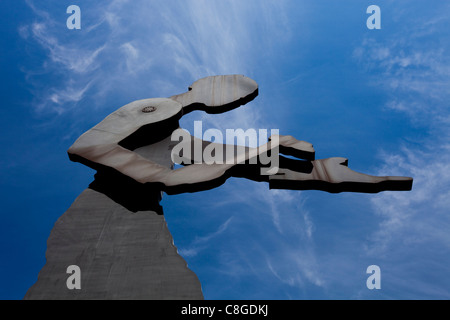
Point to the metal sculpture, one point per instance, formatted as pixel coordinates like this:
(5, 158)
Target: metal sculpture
(110, 145)
(115, 232)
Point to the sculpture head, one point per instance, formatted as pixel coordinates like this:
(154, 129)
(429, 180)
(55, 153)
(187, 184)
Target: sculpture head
(218, 94)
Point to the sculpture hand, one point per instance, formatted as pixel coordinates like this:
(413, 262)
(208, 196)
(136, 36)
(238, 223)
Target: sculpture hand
(333, 175)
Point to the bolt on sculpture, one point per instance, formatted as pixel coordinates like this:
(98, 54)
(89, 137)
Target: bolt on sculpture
(115, 231)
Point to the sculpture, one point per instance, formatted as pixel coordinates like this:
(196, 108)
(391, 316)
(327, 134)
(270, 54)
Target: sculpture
(115, 232)
(110, 146)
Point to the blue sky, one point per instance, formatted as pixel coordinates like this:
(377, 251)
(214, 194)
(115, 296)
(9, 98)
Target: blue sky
(377, 97)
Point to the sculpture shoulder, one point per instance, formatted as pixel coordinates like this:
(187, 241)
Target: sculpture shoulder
(128, 119)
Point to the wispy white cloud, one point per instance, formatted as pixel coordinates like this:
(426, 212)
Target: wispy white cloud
(416, 78)
(412, 232)
(147, 49)
(275, 239)
(68, 95)
(72, 58)
(200, 243)
(420, 215)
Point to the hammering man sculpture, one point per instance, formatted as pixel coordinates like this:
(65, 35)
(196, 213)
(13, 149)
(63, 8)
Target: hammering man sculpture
(134, 151)
(110, 144)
